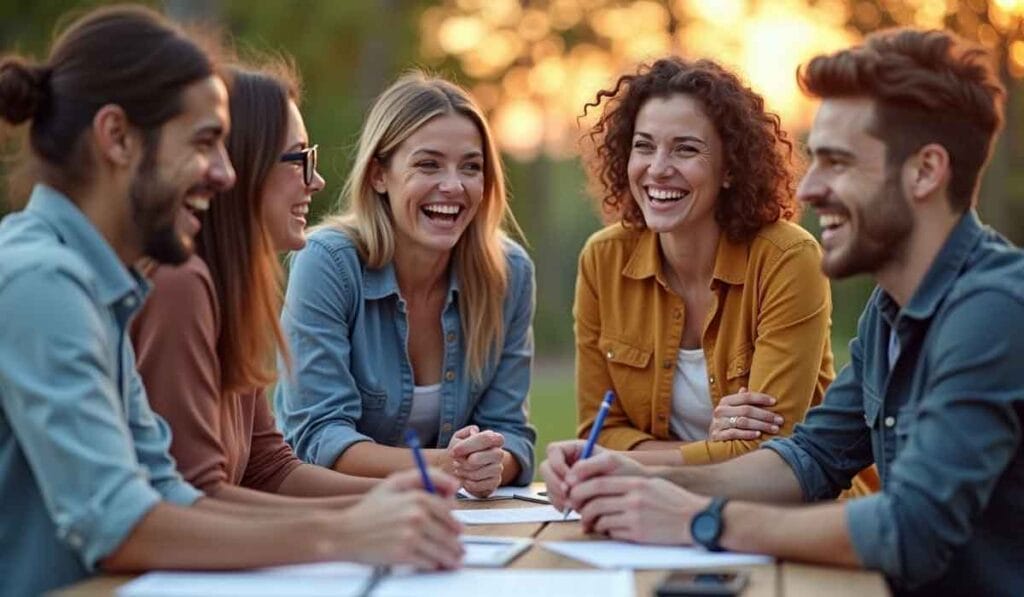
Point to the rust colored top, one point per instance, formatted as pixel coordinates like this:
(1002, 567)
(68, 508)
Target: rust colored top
(216, 438)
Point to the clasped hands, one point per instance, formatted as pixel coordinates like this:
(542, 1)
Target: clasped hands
(476, 459)
(617, 496)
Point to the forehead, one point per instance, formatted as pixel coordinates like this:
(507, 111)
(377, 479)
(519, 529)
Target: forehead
(296, 126)
(203, 104)
(673, 114)
(844, 123)
(446, 133)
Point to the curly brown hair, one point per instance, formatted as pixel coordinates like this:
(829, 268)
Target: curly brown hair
(758, 154)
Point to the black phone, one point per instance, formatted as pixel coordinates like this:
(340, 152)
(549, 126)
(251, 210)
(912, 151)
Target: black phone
(694, 584)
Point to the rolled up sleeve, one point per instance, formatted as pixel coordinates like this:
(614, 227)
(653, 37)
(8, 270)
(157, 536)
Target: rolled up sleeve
(961, 438)
(317, 401)
(58, 375)
(503, 405)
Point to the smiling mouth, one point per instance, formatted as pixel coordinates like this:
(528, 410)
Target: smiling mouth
(301, 210)
(830, 222)
(665, 195)
(442, 212)
(197, 205)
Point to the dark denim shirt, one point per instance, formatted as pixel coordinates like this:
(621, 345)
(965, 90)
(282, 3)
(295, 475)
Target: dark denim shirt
(351, 379)
(943, 423)
(82, 456)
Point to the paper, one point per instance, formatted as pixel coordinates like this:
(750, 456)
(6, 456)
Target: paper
(620, 554)
(507, 492)
(512, 515)
(321, 581)
(492, 552)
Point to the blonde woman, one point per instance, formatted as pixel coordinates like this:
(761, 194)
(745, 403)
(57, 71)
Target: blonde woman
(412, 309)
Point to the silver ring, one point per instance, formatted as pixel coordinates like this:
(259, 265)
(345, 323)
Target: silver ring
(732, 421)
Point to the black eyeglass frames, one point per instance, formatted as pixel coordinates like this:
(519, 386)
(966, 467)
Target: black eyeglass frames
(308, 158)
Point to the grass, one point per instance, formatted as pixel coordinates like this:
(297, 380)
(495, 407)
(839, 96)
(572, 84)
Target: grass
(552, 405)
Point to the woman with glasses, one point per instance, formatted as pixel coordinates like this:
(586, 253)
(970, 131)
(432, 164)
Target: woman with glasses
(207, 337)
(412, 309)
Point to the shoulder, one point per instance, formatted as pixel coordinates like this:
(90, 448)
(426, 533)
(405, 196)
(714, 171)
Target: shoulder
(614, 241)
(781, 237)
(187, 281)
(994, 269)
(331, 244)
(516, 257)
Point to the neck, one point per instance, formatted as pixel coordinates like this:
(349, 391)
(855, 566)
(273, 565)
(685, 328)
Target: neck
(113, 219)
(690, 254)
(902, 275)
(421, 273)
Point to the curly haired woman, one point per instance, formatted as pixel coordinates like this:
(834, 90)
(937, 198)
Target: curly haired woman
(702, 306)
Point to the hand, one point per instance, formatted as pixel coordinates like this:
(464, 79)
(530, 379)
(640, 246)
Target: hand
(477, 459)
(395, 524)
(637, 509)
(605, 464)
(560, 458)
(740, 416)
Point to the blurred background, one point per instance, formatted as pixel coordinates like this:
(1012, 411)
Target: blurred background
(533, 64)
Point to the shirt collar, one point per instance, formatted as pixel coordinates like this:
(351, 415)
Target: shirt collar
(382, 282)
(114, 280)
(943, 272)
(645, 261)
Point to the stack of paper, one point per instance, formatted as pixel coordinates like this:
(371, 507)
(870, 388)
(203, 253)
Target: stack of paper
(620, 554)
(512, 515)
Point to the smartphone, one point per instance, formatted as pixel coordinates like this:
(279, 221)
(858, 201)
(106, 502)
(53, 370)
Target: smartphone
(687, 584)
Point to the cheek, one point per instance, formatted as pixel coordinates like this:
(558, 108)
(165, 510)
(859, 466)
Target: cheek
(634, 169)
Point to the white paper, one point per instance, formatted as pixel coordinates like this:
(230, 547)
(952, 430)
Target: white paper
(492, 552)
(506, 492)
(620, 554)
(471, 583)
(512, 515)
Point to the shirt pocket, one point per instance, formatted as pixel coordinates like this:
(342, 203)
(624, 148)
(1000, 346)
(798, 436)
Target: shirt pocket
(372, 399)
(872, 406)
(629, 369)
(737, 372)
(905, 420)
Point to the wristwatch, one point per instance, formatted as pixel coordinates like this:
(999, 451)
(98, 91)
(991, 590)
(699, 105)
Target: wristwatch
(707, 525)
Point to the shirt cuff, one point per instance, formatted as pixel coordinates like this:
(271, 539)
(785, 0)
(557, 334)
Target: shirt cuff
(873, 534)
(813, 483)
(622, 438)
(522, 450)
(180, 493)
(696, 453)
(100, 532)
(333, 442)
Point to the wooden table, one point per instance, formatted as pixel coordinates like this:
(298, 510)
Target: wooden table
(784, 579)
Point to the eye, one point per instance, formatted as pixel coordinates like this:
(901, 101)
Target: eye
(686, 149)
(427, 165)
(473, 167)
(643, 145)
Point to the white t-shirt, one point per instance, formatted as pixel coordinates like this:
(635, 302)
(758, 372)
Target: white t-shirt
(691, 398)
(425, 416)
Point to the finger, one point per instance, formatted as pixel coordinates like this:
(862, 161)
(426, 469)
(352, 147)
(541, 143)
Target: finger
(441, 511)
(483, 488)
(601, 487)
(441, 539)
(613, 523)
(554, 484)
(722, 435)
(491, 471)
(466, 432)
(605, 463)
(755, 398)
(592, 512)
(445, 485)
(485, 440)
(406, 480)
(481, 459)
(748, 411)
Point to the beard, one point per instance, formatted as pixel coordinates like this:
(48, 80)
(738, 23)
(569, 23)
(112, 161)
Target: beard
(155, 204)
(883, 226)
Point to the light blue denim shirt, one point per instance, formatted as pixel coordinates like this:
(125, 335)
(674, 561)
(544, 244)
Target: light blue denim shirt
(943, 421)
(82, 456)
(351, 379)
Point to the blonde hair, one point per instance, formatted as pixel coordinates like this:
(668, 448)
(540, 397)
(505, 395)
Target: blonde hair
(479, 255)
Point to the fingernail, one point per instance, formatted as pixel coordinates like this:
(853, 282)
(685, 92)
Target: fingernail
(757, 434)
(772, 401)
(778, 420)
(775, 429)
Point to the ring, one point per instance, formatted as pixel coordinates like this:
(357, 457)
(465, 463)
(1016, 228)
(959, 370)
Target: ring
(732, 421)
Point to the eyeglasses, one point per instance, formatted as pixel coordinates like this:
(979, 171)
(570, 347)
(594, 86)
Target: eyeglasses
(308, 158)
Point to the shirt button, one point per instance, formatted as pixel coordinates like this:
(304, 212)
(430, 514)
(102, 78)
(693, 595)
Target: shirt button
(890, 421)
(661, 418)
(446, 428)
(130, 302)
(711, 380)
(666, 364)
(450, 337)
(75, 540)
(449, 375)
(610, 355)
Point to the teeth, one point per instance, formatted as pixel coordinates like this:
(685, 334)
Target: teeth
(665, 194)
(300, 210)
(831, 220)
(448, 210)
(198, 204)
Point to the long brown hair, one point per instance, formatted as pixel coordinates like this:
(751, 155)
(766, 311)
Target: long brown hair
(233, 241)
(479, 257)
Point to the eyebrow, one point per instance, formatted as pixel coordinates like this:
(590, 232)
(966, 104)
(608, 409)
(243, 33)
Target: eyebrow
(441, 154)
(217, 129)
(682, 139)
(830, 152)
(297, 146)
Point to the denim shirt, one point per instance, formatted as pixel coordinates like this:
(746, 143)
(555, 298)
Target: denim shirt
(351, 379)
(82, 456)
(943, 422)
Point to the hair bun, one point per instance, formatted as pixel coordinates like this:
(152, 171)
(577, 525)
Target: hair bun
(21, 89)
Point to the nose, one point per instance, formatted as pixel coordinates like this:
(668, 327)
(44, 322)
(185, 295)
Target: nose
(661, 165)
(811, 189)
(318, 182)
(451, 183)
(221, 173)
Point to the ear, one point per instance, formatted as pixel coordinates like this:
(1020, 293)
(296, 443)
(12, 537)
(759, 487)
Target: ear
(377, 178)
(117, 141)
(927, 172)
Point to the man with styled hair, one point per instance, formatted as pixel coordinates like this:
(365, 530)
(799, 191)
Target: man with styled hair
(934, 392)
(128, 118)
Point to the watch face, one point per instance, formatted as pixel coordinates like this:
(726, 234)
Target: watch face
(704, 527)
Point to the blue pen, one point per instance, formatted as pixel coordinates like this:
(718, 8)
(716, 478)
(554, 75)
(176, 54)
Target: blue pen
(595, 430)
(413, 441)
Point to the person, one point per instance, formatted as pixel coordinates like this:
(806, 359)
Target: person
(205, 367)
(702, 306)
(933, 393)
(413, 308)
(128, 117)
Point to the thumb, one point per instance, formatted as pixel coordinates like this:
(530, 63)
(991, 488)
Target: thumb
(743, 390)
(468, 431)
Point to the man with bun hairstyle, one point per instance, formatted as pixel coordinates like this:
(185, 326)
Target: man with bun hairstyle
(934, 392)
(128, 118)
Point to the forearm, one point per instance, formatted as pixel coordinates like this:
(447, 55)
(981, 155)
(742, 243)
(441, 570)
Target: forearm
(759, 476)
(510, 467)
(313, 481)
(171, 537)
(657, 453)
(368, 459)
(816, 534)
